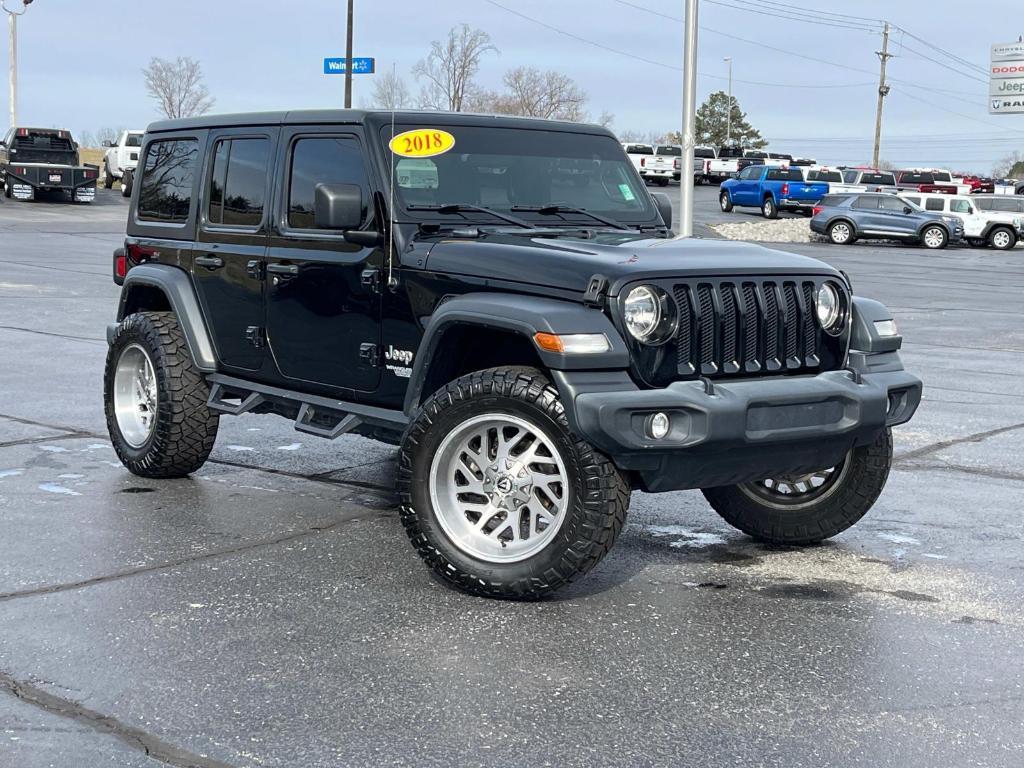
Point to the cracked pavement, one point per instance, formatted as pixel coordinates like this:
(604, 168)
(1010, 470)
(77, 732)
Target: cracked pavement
(269, 611)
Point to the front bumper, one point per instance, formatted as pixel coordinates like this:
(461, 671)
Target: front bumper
(740, 430)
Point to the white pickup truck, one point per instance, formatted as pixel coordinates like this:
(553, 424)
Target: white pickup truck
(731, 161)
(121, 159)
(652, 165)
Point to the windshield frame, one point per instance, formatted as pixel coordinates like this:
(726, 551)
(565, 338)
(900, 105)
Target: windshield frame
(646, 217)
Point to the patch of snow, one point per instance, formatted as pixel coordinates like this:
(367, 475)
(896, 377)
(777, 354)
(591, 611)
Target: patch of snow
(54, 488)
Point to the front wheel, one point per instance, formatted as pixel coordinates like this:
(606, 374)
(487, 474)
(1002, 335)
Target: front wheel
(934, 237)
(1002, 238)
(108, 177)
(156, 399)
(497, 494)
(808, 508)
(769, 208)
(126, 183)
(725, 202)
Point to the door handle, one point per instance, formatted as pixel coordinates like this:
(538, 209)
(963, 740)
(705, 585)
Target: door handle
(210, 262)
(290, 270)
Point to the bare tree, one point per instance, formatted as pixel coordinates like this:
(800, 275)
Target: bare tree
(390, 92)
(550, 95)
(450, 67)
(87, 139)
(1010, 166)
(605, 119)
(106, 134)
(178, 87)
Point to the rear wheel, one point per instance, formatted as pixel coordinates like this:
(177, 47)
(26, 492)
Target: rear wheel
(805, 509)
(841, 233)
(725, 202)
(108, 177)
(934, 237)
(155, 399)
(1002, 238)
(769, 208)
(497, 494)
(126, 183)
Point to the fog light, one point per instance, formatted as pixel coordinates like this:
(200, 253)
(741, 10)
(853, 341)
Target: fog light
(659, 425)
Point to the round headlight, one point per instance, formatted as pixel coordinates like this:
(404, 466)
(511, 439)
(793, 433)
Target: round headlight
(642, 313)
(830, 310)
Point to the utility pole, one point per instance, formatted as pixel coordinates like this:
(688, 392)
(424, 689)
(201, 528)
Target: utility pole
(12, 29)
(728, 114)
(883, 91)
(348, 59)
(689, 117)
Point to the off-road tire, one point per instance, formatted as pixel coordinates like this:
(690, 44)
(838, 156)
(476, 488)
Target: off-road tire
(595, 514)
(769, 209)
(127, 179)
(185, 428)
(725, 202)
(851, 498)
(1006, 243)
(108, 177)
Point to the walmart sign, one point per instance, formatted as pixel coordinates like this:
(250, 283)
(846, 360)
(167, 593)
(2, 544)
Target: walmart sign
(339, 64)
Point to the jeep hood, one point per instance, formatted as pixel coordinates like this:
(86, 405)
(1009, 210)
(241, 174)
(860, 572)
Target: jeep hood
(568, 263)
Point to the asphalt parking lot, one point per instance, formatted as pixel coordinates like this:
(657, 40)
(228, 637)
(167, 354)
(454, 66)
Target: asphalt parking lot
(269, 611)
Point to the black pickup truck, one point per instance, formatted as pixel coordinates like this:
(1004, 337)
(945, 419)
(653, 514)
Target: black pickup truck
(34, 160)
(504, 300)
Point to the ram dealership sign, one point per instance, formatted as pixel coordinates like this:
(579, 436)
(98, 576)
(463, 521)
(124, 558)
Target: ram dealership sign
(1006, 79)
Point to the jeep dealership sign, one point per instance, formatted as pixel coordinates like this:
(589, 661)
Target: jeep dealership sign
(1006, 79)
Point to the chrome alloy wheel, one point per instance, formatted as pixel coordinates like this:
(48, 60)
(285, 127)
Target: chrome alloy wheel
(135, 395)
(788, 492)
(499, 488)
(933, 237)
(840, 232)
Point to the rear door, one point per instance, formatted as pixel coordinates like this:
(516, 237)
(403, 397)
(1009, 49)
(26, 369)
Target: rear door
(323, 309)
(231, 243)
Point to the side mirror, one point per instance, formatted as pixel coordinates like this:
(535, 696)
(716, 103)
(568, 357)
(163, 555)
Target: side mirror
(907, 209)
(338, 206)
(108, 143)
(664, 206)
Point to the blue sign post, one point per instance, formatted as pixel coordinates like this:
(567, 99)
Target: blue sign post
(361, 65)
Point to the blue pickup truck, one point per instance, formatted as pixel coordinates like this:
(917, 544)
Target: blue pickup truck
(772, 189)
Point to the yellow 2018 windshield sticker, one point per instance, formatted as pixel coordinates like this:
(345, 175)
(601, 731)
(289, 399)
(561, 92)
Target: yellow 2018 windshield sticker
(422, 142)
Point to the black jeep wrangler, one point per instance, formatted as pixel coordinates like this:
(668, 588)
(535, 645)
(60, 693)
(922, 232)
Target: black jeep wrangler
(504, 300)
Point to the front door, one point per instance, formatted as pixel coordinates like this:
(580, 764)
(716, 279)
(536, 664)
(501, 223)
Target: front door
(232, 241)
(323, 309)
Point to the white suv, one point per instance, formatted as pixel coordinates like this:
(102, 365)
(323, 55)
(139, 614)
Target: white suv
(996, 229)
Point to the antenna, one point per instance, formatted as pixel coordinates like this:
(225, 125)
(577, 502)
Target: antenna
(392, 283)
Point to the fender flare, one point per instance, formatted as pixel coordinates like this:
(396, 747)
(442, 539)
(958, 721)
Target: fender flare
(176, 285)
(526, 316)
(941, 225)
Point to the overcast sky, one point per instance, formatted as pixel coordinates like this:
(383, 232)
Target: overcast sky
(80, 63)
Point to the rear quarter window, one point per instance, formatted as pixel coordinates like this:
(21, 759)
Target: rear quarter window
(832, 200)
(165, 187)
(935, 204)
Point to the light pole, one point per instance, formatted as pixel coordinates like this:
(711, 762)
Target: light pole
(728, 111)
(12, 28)
(689, 117)
(348, 59)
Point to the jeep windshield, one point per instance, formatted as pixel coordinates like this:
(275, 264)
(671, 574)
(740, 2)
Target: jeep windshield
(529, 173)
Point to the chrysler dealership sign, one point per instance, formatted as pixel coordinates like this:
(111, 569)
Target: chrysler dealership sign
(1006, 79)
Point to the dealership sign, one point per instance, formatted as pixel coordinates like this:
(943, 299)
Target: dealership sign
(1006, 79)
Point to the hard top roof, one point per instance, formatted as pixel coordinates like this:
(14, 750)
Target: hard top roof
(427, 118)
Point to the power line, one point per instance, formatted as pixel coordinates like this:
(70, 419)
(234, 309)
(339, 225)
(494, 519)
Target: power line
(662, 64)
(789, 15)
(965, 62)
(951, 112)
(942, 64)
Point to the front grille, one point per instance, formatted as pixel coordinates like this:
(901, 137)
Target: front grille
(733, 327)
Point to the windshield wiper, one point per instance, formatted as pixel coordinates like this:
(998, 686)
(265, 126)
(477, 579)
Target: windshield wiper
(555, 208)
(464, 207)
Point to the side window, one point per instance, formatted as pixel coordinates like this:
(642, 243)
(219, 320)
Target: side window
(865, 202)
(849, 177)
(750, 172)
(891, 204)
(960, 206)
(935, 204)
(316, 161)
(236, 194)
(914, 200)
(165, 189)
